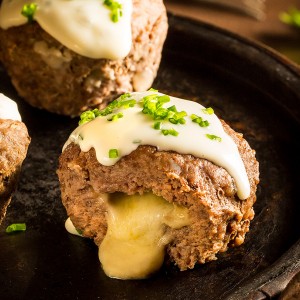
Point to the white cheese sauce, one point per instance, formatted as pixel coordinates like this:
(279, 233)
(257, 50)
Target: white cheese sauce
(71, 228)
(84, 26)
(136, 128)
(8, 109)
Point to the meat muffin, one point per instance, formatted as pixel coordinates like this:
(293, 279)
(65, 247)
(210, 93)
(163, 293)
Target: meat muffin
(66, 63)
(14, 141)
(152, 174)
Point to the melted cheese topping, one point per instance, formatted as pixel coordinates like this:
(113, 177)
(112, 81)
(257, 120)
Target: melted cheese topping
(86, 28)
(136, 128)
(133, 247)
(8, 109)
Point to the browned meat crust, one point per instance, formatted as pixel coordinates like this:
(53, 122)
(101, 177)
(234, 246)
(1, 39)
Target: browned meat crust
(14, 141)
(219, 218)
(76, 83)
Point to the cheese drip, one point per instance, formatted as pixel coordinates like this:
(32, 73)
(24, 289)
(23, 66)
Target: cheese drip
(133, 247)
(136, 128)
(84, 26)
(71, 228)
(8, 109)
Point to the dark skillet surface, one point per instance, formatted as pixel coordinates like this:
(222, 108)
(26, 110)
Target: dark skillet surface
(257, 93)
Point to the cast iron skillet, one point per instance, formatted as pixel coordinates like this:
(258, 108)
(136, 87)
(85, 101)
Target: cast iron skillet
(258, 93)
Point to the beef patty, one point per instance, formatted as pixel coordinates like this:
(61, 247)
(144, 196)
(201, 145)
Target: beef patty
(219, 219)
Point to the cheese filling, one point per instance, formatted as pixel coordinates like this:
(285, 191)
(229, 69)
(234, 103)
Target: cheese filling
(84, 26)
(133, 247)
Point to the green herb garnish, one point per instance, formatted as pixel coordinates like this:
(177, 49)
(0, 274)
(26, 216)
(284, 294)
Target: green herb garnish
(136, 141)
(153, 106)
(291, 17)
(123, 101)
(157, 125)
(115, 9)
(199, 121)
(169, 132)
(87, 116)
(29, 10)
(208, 111)
(214, 137)
(113, 153)
(16, 227)
(152, 90)
(115, 117)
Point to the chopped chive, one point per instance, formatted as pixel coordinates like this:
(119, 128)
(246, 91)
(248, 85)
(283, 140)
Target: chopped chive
(125, 96)
(291, 17)
(123, 101)
(169, 132)
(214, 137)
(160, 113)
(115, 117)
(153, 106)
(16, 227)
(128, 103)
(204, 123)
(163, 99)
(29, 10)
(115, 9)
(137, 141)
(157, 125)
(172, 108)
(152, 90)
(181, 114)
(194, 117)
(113, 153)
(173, 121)
(86, 116)
(208, 111)
(199, 121)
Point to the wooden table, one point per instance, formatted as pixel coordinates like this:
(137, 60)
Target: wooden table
(269, 31)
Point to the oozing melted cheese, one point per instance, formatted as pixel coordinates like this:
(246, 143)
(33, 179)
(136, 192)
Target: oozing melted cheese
(136, 128)
(133, 247)
(8, 109)
(84, 26)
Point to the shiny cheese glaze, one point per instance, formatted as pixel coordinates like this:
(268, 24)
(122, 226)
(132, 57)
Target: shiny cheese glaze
(136, 128)
(84, 26)
(133, 247)
(8, 109)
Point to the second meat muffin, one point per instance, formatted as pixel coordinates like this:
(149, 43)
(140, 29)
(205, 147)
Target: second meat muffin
(48, 75)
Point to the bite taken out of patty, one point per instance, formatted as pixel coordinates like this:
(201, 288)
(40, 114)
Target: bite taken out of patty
(50, 76)
(218, 218)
